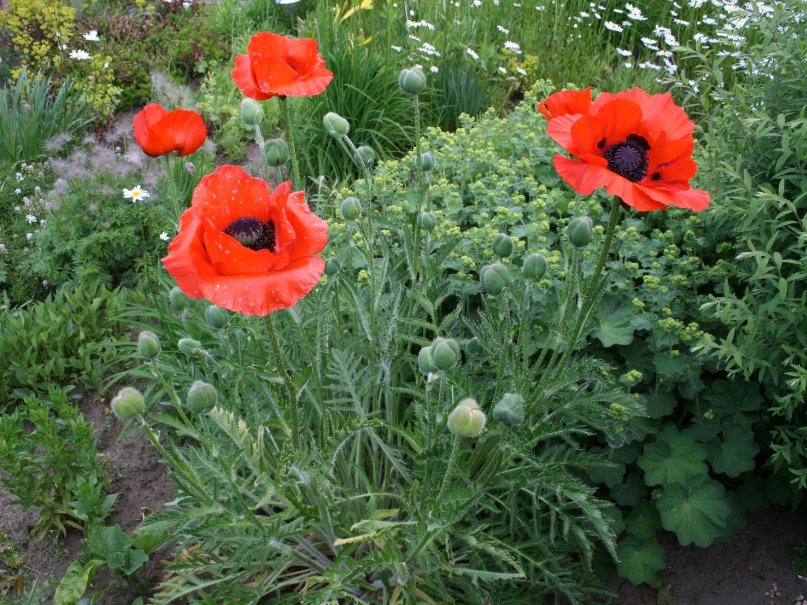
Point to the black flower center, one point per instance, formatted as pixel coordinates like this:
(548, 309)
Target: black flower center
(629, 158)
(253, 233)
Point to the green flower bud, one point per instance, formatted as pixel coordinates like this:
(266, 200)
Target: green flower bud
(251, 112)
(503, 245)
(148, 345)
(467, 419)
(216, 317)
(534, 266)
(201, 397)
(494, 277)
(350, 208)
(332, 266)
(367, 155)
(474, 347)
(445, 353)
(425, 362)
(189, 346)
(580, 231)
(427, 161)
(412, 81)
(276, 152)
(335, 125)
(427, 221)
(128, 404)
(177, 299)
(510, 409)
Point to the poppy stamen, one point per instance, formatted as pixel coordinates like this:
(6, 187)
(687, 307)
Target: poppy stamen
(629, 158)
(252, 233)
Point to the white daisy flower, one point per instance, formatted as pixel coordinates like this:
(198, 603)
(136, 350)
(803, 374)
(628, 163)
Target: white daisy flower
(92, 36)
(512, 46)
(521, 71)
(471, 53)
(434, 69)
(635, 13)
(164, 236)
(504, 30)
(502, 70)
(614, 27)
(623, 52)
(80, 55)
(136, 193)
(30, 218)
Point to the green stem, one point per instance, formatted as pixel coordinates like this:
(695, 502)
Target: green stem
(419, 159)
(262, 146)
(452, 462)
(284, 370)
(295, 168)
(362, 166)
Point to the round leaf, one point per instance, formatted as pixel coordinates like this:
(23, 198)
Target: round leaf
(734, 453)
(696, 511)
(674, 457)
(640, 560)
(630, 491)
(644, 521)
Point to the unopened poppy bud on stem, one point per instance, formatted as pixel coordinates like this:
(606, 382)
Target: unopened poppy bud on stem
(425, 362)
(534, 266)
(128, 404)
(510, 409)
(367, 155)
(189, 346)
(503, 245)
(427, 221)
(148, 345)
(445, 353)
(332, 266)
(276, 152)
(202, 396)
(335, 125)
(177, 299)
(412, 80)
(216, 317)
(350, 208)
(495, 278)
(251, 112)
(427, 161)
(467, 419)
(581, 231)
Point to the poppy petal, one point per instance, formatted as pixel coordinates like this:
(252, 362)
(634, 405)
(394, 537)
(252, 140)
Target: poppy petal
(566, 102)
(229, 257)
(615, 121)
(692, 199)
(230, 193)
(152, 140)
(301, 54)
(268, 44)
(311, 231)
(187, 260)
(560, 131)
(310, 85)
(271, 73)
(187, 129)
(245, 80)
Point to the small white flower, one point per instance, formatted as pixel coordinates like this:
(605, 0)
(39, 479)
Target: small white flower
(471, 53)
(29, 236)
(628, 65)
(397, 49)
(30, 218)
(700, 38)
(477, 3)
(502, 70)
(92, 36)
(45, 283)
(614, 27)
(521, 71)
(650, 43)
(18, 176)
(681, 22)
(512, 46)
(434, 69)
(3, 249)
(635, 13)
(18, 191)
(136, 193)
(504, 30)
(164, 236)
(623, 52)
(80, 55)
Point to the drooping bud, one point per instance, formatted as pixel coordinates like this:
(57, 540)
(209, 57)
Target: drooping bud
(474, 347)
(427, 161)
(128, 404)
(177, 299)
(148, 345)
(445, 353)
(335, 125)
(534, 266)
(216, 317)
(503, 245)
(367, 155)
(350, 208)
(251, 112)
(202, 396)
(495, 278)
(510, 409)
(427, 221)
(189, 346)
(412, 80)
(332, 266)
(276, 152)
(425, 362)
(467, 419)
(580, 231)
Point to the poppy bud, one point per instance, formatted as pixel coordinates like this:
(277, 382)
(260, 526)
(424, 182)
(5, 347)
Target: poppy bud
(580, 231)
(467, 419)
(425, 362)
(427, 161)
(503, 245)
(332, 266)
(534, 266)
(350, 208)
(412, 81)
(276, 152)
(148, 345)
(474, 346)
(427, 221)
(177, 299)
(189, 346)
(510, 409)
(216, 317)
(445, 353)
(494, 277)
(335, 125)
(202, 397)
(128, 404)
(367, 155)
(251, 112)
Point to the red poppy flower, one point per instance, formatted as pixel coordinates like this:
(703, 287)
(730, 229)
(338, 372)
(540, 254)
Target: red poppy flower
(636, 145)
(277, 65)
(244, 247)
(158, 131)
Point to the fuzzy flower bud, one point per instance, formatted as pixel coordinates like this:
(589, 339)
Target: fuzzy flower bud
(177, 300)
(335, 125)
(276, 152)
(510, 409)
(367, 155)
(425, 362)
(216, 317)
(251, 112)
(427, 161)
(494, 277)
(503, 245)
(427, 221)
(148, 345)
(534, 266)
(412, 81)
(474, 347)
(332, 266)
(580, 231)
(189, 346)
(202, 396)
(467, 419)
(128, 404)
(445, 353)
(350, 208)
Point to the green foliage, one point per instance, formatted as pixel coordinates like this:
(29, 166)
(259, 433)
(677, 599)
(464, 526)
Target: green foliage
(48, 458)
(114, 547)
(77, 578)
(640, 561)
(697, 511)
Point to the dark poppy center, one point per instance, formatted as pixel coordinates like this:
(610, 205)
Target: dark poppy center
(253, 233)
(629, 158)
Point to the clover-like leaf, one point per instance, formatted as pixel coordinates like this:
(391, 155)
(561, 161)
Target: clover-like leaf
(733, 453)
(614, 318)
(696, 511)
(672, 458)
(734, 402)
(644, 521)
(640, 560)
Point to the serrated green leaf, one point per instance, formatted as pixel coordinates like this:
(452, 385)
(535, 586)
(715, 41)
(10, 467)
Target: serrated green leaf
(614, 321)
(644, 521)
(733, 453)
(696, 511)
(640, 560)
(674, 457)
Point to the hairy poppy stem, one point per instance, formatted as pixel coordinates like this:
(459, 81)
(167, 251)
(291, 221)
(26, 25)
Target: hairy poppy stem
(295, 168)
(419, 160)
(284, 370)
(452, 462)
